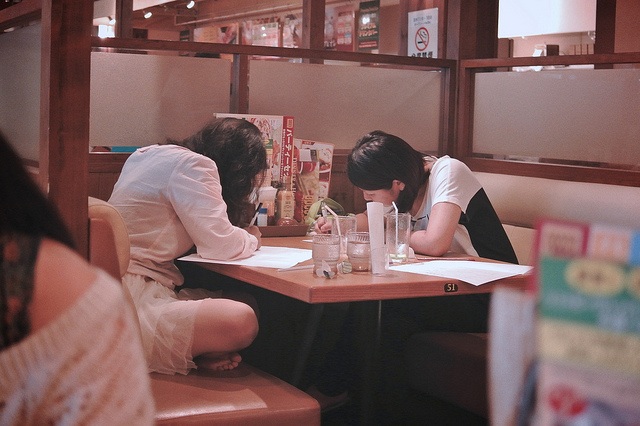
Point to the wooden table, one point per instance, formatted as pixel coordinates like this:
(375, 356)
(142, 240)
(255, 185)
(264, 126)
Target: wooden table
(362, 287)
(353, 287)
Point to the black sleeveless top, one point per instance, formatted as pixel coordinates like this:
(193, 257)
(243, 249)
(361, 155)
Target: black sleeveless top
(486, 231)
(17, 262)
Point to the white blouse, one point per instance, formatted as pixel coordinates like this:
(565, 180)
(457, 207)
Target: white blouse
(171, 198)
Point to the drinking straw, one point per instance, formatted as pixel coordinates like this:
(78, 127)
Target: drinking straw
(396, 210)
(335, 217)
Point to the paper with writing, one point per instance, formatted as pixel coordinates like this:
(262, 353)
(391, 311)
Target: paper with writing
(266, 256)
(472, 272)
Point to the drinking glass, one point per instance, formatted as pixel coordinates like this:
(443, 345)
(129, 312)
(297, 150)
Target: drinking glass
(359, 251)
(398, 236)
(347, 224)
(325, 251)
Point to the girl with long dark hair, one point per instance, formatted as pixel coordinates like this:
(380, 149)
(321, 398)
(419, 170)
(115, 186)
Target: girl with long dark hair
(177, 195)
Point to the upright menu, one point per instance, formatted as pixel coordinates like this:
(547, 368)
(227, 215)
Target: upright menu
(312, 175)
(588, 327)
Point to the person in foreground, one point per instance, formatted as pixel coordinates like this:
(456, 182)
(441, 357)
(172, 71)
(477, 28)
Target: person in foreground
(173, 196)
(450, 212)
(70, 350)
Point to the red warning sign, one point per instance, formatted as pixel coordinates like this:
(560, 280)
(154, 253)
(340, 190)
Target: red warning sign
(422, 39)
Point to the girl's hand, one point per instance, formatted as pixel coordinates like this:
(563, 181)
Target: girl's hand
(322, 226)
(255, 231)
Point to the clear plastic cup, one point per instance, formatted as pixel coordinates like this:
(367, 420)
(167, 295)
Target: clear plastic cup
(398, 236)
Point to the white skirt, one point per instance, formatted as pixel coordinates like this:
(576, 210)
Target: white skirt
(166, 322)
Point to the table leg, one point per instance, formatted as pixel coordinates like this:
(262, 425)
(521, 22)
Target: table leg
(368, 325)
(315, 315)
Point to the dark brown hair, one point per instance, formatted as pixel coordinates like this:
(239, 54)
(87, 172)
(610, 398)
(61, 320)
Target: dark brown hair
(24, 208)
(379, 158)
(237, 147)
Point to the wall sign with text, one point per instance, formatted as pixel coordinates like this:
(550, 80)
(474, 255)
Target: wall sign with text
(423, 33)
(368, 25)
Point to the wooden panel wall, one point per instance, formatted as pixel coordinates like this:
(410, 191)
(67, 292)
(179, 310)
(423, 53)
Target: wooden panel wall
(104, 170)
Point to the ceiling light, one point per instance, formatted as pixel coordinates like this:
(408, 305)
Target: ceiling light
(191, 4)
(147, 15)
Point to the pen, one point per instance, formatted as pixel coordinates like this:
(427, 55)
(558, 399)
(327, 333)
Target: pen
(442, 258)
(296, 268)
(255, 215)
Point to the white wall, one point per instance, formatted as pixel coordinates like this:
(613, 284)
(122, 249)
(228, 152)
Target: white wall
(20, 90)
(339, 104)
(572, 114)
(142, 99)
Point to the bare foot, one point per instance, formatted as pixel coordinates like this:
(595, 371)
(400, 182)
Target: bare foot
(220, 362)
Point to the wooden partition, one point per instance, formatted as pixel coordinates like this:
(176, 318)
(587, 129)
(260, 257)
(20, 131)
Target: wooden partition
(104, 170)
(572, 169)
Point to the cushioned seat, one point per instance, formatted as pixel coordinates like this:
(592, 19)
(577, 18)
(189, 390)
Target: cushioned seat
(109, 247)
(450, 366)
(244, 396)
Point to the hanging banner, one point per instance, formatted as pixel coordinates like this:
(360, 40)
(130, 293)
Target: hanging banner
(339, 28)
(423, 33)
(368, 25)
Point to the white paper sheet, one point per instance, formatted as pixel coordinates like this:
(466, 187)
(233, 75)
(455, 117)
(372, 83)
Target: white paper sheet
(472, 272)
(267, 256)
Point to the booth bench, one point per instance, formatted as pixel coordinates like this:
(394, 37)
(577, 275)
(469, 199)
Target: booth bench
(456, 371)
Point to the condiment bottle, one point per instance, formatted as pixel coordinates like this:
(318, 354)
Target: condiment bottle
(262, 217)
(285, 202)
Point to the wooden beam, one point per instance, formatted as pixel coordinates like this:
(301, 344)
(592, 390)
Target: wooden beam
(124, 14)
(313, 24)
(239, 102)
(605, 26)
(472, 29)
(20, 14)
(64, 110)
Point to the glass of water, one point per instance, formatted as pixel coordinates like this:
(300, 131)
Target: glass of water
(398, 236)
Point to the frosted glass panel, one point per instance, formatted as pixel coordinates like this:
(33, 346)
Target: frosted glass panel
(20, 90)
(571, 114)
(339, 104)
(139, 100)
